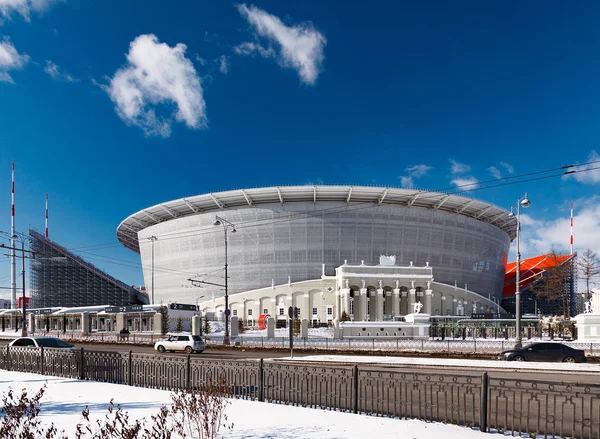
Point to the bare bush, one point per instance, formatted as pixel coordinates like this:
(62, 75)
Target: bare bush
(20, 417)
(200, 413)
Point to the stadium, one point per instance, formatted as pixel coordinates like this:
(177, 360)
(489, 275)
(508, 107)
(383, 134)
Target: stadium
(317, 246)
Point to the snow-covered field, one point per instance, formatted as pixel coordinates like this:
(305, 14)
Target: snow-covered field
(66, 398)
(448, 362)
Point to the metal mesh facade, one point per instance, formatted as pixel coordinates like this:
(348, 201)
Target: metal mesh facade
(60, 278)
(293, 239)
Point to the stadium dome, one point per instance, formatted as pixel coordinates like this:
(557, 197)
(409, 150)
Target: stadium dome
(286, 234)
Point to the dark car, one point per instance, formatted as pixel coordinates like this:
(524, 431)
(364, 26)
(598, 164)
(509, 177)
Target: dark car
(545, 352)
(38, 342)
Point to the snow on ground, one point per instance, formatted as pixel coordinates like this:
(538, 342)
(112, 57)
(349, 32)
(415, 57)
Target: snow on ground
(218, 328)
(66, 398)
(448, 362)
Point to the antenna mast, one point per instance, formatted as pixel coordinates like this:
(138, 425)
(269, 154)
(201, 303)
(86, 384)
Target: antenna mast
(13, 255)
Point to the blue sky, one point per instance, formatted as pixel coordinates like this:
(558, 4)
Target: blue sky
(111, 107)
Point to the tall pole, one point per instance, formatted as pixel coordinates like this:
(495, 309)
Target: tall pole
(518, 342)
(13, 254)
(46, 215)
(153, 238)
(23, 304)
(571, 227)
(226, 339)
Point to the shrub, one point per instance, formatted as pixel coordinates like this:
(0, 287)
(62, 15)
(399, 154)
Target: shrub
(20, 417)
(241, 326)
(198, 414)
(164, 321)
(206, 326)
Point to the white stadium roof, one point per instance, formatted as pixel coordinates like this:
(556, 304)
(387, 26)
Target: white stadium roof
(351, 195)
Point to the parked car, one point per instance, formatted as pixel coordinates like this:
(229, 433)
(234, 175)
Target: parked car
(38, 342)
(545, 352)
(180, 342)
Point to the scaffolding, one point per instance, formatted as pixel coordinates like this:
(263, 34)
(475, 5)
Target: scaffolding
(61, 278)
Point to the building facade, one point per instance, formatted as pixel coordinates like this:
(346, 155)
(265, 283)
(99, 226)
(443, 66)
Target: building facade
(285, 235)
(361, 292)
(59, 278)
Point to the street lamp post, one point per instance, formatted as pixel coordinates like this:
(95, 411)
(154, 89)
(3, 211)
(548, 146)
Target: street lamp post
(226, 225)
(523, 201)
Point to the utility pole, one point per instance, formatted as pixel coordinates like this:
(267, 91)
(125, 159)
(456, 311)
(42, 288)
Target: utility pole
(13, 261)
(23, 301)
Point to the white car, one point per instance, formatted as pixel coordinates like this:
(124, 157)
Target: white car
(180, 342)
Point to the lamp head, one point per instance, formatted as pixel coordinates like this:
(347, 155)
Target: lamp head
(525, 202)
(233, 230)
(217, 223)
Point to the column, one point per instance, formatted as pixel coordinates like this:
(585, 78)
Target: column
(345, 301)
(362, 309)
(428, 300)
(443, 306)
(379, 309)
(454, 301)
(396, 302)
(411, 300)
(305, 311)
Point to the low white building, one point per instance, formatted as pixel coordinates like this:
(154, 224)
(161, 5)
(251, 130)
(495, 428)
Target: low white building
(363, 292)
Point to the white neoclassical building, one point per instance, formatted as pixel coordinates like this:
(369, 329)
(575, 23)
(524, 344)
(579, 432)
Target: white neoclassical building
(364, 292)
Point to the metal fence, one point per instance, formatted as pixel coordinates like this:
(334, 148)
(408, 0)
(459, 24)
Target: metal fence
(509, 406)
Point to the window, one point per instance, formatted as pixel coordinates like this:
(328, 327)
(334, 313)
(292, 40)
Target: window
(183, 338)
(235, 312)
(249, 312)
(281, 311)
(265, 311)
(330, 310)
(298, 312)
(352, 306)
(314, 311)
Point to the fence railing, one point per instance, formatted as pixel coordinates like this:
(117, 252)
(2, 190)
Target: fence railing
(514, 406)
(391, 344)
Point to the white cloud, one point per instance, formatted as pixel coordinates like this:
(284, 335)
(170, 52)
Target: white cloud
(54, 71)
(468, 183)
(10, 59)
(591, 174)
(299, 47)
(224, 64)
(418, 170)
(495, 172)
(157, 74)
(458, 168)
(507, 167)
(414, 171)
(407, 181)
(248, 48)
(25, 7)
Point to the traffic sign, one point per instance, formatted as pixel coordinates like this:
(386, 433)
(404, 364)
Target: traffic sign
(227, 312)
(119, 309)
(183, 306)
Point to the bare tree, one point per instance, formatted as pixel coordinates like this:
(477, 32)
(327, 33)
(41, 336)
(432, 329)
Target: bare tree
(588, 265)
(555, 282)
